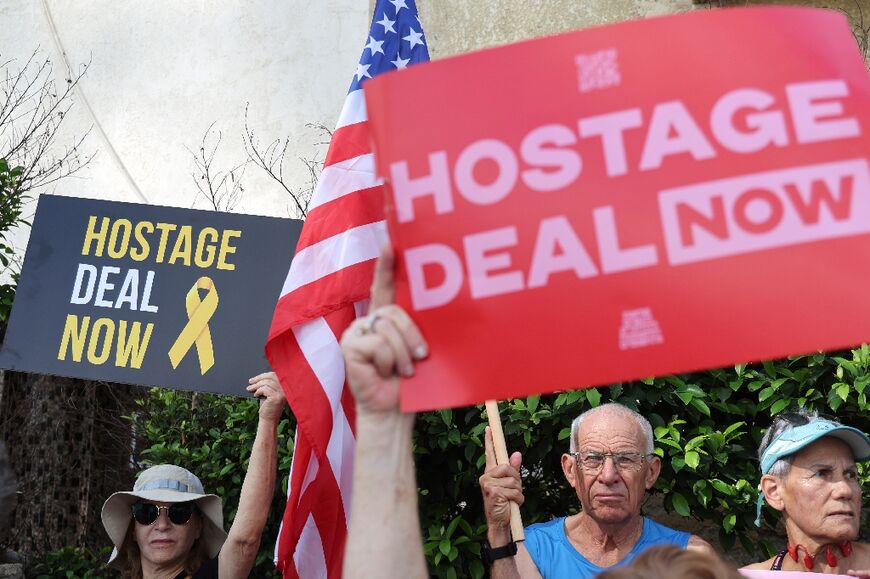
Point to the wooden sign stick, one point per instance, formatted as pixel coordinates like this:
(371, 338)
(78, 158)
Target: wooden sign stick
(501, 457)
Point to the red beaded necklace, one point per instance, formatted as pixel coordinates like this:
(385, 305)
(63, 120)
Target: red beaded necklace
(830, 557)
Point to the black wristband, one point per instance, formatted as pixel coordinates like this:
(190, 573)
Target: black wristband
(491, 555)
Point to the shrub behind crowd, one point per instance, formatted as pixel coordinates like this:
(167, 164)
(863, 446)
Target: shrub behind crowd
(707, 426)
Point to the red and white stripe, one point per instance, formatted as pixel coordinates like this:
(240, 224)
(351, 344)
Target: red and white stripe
(326, 289)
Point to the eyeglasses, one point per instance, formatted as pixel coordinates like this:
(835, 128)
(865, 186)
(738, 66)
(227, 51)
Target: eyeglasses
(148, 513)
(593, 462)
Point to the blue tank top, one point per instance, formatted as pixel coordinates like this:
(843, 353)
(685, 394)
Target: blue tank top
(556, 557)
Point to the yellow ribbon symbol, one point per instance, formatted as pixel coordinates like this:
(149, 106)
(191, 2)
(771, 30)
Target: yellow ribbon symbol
(199, 312)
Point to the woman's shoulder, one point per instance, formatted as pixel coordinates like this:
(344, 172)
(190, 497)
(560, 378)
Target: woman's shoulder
(761, 564)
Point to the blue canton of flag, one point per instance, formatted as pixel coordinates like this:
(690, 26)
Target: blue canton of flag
(395, 41)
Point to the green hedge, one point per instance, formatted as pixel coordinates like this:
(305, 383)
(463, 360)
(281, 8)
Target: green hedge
(707, 428)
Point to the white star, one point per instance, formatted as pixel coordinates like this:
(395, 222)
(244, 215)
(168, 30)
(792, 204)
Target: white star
(414, 38)
(362, 70)
(400, 62)
(387, 24)
(398, 4)
(375, 45)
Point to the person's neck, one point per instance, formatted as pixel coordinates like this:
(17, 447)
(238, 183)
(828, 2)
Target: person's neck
(817, 548)
(152, 571)
(606, 544)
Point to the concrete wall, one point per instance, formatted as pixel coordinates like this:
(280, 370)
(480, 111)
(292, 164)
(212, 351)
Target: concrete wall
(456, 26)
(162, 72)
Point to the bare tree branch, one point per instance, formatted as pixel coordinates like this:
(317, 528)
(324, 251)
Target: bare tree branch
(32, 110)
(272, 159)
(222, 189)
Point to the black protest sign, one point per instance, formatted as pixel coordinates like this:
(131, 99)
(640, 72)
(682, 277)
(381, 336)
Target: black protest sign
(147, 295)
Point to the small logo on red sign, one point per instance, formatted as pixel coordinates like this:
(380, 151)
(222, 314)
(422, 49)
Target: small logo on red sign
(598, 70)
(639, 329)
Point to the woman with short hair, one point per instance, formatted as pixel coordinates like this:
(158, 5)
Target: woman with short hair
(808, 473)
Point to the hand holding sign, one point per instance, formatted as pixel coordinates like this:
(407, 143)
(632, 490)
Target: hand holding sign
(381, 346)
(266, 387)
(502, 487)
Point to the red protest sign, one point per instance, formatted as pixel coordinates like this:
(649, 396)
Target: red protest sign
(639, 199)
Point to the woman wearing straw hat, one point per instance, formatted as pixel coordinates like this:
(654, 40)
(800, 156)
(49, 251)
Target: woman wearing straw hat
(168, 527)
(808, 473)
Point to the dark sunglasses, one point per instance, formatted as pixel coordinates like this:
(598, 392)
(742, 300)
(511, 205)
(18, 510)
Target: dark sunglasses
(147, 513)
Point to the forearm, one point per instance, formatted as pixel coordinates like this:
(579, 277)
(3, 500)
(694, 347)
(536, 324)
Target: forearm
(384, 538)
(257, 488)
(503, 568)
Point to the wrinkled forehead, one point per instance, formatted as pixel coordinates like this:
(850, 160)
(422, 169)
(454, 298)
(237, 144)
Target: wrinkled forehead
(611, 430)
(827, 449)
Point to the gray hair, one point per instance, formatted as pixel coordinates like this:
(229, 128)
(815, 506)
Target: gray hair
(783, 423)
(642, 423)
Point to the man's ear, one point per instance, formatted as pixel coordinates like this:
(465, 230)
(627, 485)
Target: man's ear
(569, 469)
(772, 487)
(653, 471)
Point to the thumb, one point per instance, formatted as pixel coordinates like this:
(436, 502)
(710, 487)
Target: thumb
(383, 286)
(516, 460)
(489, 448)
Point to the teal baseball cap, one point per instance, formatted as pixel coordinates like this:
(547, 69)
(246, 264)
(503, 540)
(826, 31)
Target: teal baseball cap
(795, 439)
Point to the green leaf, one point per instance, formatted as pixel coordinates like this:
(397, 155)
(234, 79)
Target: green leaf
(446, 416)
(686, 397)
(681, 506)
(766, 393)
(593, 396)
(723, 488)
(692, 459)
(701, 406)
(452, 526)
(779, 406)
(732, 428)
(842, 391)
(444, 547)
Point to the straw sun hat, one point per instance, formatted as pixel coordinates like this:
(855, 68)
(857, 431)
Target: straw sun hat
(164, 483)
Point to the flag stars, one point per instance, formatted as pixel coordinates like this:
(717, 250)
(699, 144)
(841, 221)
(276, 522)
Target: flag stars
(362, 71)
(400, 62)
(414, 38)
(399, 4)
(374, 45)
(387, 24)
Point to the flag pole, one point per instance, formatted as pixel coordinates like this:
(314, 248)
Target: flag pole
(501, 457)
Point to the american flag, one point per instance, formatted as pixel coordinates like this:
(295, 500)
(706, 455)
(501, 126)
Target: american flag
(326, 288)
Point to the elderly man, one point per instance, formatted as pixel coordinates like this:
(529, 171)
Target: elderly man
(610, 466)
